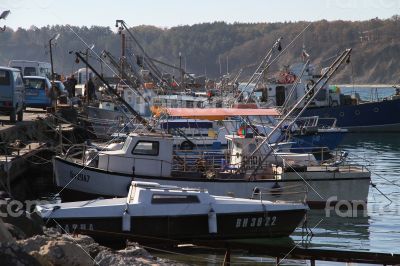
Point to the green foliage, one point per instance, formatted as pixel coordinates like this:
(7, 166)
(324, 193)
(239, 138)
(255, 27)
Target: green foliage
(206, 47)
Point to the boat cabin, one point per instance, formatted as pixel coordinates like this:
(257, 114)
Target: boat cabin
(243, 147)
(180, 101)
(142, 154)
(278, 91)
(154, 193)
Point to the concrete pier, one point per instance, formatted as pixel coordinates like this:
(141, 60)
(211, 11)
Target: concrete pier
(20, 142)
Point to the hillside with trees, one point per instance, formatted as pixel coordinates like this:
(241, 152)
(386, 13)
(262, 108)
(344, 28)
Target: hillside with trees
(214, 48)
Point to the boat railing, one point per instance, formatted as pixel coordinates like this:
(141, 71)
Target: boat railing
(324, 122)
(309, 121)
(316, 121)
(218, 162)
(279, 192)
(75, 151)
(199, 160)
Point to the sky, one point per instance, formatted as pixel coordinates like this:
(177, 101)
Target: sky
(169, 13)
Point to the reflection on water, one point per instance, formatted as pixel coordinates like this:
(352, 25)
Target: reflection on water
(378, 230)
(383, 153)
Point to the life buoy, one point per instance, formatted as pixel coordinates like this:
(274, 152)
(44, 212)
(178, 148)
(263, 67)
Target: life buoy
(290, 78)
(242, 131)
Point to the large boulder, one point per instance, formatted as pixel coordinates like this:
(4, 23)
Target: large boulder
(12, 254)
(30, 223)
(5, 235)
(131, 255)
(58, 252)
(15, 231)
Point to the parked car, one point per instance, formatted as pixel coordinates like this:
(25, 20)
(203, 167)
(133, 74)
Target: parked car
(61, 88)
(37, 89)
(12, 92)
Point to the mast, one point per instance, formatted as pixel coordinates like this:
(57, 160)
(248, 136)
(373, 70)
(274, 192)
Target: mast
(141, 119)
(326, 77)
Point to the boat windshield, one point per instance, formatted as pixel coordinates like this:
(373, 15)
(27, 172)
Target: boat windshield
(126, 144)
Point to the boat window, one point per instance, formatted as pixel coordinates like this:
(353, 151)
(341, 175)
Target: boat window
(126, 144)
(5, 78)
(168, 199)
(189, 104)
(30, 71)
(143, 147)
(156, 101)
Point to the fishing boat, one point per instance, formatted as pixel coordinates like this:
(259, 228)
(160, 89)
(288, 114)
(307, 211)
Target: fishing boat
(151, 211)
(349, 111)
(150, 157)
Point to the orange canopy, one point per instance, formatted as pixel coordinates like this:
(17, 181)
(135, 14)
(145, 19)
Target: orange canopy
(218, 113)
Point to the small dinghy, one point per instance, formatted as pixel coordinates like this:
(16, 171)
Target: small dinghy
(167, 212)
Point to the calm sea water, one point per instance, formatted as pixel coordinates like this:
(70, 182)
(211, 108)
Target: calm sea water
(377, 231)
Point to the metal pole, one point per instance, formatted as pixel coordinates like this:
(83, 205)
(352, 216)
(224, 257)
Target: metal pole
(51, 61)
(332, 69)
(87, 70)
(180, 67)
(122, 53)
(87, 76)
(142, 120)
(227, 258)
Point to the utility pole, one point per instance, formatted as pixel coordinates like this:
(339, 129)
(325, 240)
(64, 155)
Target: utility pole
(180, 67)
(122, 60)
(227, 64)
(87, 70)
(52, 89)
(54, 38)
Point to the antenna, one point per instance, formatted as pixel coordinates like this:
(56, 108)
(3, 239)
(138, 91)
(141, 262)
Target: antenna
(219, 61)
(227, 64)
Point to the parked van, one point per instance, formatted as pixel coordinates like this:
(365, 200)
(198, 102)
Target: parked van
(37, 90)
(32, 68)
(12, 93)
(81, 75)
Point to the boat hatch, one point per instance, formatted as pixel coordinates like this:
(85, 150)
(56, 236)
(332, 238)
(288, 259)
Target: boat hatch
(167, 198)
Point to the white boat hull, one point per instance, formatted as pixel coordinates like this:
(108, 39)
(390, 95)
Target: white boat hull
(324, 188)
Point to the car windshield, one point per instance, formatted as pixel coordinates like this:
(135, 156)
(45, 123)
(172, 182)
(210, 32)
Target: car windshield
(5, 78)
(34, 83)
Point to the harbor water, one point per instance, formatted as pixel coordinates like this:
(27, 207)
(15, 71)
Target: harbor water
(375, 230)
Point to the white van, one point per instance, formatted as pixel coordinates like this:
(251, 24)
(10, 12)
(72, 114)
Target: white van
(81, 75)
(32, 68)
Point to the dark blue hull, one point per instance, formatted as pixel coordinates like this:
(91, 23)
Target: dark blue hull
(366, 117)
(317, 141)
